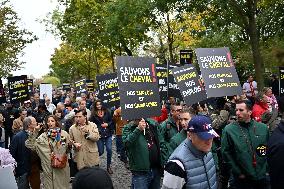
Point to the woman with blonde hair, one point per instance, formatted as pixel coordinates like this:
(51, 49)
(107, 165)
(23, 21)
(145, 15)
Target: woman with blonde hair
(52, 147)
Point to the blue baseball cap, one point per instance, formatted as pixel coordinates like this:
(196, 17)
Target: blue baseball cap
(202, 126)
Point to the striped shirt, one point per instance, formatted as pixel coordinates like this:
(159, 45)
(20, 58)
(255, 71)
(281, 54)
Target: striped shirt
(174, 175)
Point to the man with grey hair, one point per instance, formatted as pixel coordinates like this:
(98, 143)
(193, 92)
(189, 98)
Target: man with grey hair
(22, 154)
(82, 106)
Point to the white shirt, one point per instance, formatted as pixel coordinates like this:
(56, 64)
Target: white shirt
(51, 107)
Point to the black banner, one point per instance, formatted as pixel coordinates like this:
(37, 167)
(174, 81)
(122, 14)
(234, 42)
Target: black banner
(218, 72)
(90, 86)
(189, 84)
(281, 80)
(162, 76)
(138, 87)
(108, 89)
(30, 85)
(18, 88)
(66, 87)
(173, 87)
(80, 87)
(2, 93)
(185, 57)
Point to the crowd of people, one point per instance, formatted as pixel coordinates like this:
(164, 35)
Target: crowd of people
(228, 142)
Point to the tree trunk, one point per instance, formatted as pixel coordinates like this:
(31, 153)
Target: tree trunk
(170, 40)
(254, 41)
(112, 58)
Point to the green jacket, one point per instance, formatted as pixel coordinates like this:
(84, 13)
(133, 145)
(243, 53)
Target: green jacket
(168, 129)
(136, 145)
(167, 148)
(240, 144)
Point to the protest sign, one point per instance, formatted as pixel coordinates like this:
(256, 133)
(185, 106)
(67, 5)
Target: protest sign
(18, 88)
(108, 89)
(281, 80)
(185, 57)
(66, 87)
(90, 85)
(162, 76)
(138, 87)
(30, 85)
(189, 84)
(45, 90)
(173, 87)
(218, 72)
(80, 87)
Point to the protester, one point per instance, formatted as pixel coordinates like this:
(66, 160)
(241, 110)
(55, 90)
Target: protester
(36, 101)
(167, 149)
(42, 113)
(119, 123)
(23, 156)
(81, 106)
(103, 119)
(275, 153)
(170, 127)
(274, 84)
(2, 131)
(141, 139)
(244, 149)
(271, 99)
(52, 147)
(10, 115)
(49, 105)
(59, 114)
(260, 106)
(84, 135)
(192, 165)
(92, 178)
(18, 123)
(250, 88)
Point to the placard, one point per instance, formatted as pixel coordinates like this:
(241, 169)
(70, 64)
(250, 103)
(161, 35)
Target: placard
(162, 76)
(66, 87)
(30, 85)
(281, 80)
(80, 87)
(45, 90)
(218, 72)
(108, 89)
(185, 57)
(173, 87)
(138, 87)
(90, 86)
(189, 84)
(18, 88)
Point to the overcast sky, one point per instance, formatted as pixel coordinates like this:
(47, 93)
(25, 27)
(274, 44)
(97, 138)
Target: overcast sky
(37, 55)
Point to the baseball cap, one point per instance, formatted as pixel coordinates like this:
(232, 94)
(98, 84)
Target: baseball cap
(202, 126)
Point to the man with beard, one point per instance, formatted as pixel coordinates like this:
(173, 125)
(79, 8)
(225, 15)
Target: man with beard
(244, 149)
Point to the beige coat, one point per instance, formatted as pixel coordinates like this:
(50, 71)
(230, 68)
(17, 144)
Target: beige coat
(52, 178)
(87, 155)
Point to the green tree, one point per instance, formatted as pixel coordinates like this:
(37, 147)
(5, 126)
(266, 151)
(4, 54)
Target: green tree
(13, 39)
(254, 22)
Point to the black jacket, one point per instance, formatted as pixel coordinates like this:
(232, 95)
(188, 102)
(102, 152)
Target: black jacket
(21, 153)
(275, 155)
(107, 118)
